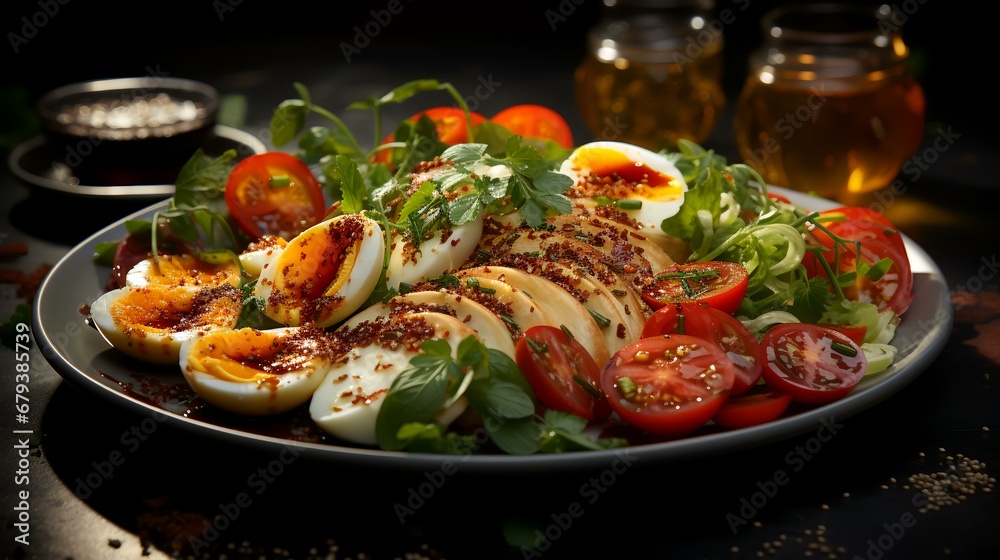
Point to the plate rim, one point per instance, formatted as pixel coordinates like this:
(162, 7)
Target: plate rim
(930, 346)
(116, 191)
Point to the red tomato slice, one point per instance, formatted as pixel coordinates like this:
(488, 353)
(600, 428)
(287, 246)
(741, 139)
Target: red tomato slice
(813, 363)
(561, 372)
(760, 405)
(274, 193)
(879, 239)
(668, 385)
(536, 121)
(739, 344)
(720, 284)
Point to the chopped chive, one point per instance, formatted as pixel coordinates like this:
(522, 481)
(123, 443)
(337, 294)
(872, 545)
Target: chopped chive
(626, 386)
(681, 319)
(588, 387)
(687, 287)
(535, 254)
(841, 348)
(694, 275)
(482, 254)
(405, 288)
(619, 293)
(390, 294)
(629, 204)
(485, 290)
(536, 347)
(446, 280)
(472, 283)
(604, 321)
(603, 200)
(510, 321)
(567, 331)
(279, 181)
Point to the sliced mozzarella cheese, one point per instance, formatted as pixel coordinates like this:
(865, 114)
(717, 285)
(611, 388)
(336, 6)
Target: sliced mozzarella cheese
(347, 402)
(491, 329)
(563, 309)
(516, 308)
(325, 273)
(612, 237)
(619, 323)
(256, 372)
(583, 257)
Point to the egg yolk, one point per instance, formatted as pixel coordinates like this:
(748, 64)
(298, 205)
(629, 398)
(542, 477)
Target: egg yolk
(250, 355)
(177, 309)
(313, 268)
(186, 270)
(611, 173)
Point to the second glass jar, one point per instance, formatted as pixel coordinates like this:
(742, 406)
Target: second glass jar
(652, 74)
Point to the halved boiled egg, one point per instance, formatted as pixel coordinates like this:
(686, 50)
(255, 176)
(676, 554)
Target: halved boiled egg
(181, 270)
(447, 250)
(347, 402)
(257, 372)
(150, 324)
(260, 252)
(644, 184)
(325, 273)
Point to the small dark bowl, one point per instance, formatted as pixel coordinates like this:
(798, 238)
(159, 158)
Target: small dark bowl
(132, 124)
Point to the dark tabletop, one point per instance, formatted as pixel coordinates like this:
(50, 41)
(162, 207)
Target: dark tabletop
(105, 482)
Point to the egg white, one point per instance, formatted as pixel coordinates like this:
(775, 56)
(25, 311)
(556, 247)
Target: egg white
(440, 254)
(347, 402)
(215, 368)
(284, 278)
(259, 253)
(658, 202)
(136, 320)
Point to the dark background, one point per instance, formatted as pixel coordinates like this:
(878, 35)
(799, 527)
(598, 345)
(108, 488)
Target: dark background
(227, 42)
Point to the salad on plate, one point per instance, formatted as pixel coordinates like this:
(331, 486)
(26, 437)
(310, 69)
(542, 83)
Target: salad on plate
(477, 283)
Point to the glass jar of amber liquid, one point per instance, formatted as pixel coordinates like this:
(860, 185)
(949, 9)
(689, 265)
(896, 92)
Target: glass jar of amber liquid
(652, 73)
(829, 106)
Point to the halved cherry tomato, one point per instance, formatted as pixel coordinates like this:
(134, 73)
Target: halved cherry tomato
(698, 319)
(669, 385)
(779, 197)
(720, 284)
(854, 332)
(813, 363)
(561, 372)
(450, 124)
(536, 121)
(274, 193)
(879, 239)
(760, 405)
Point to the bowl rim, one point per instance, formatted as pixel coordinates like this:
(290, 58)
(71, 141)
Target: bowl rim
(48, 103)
